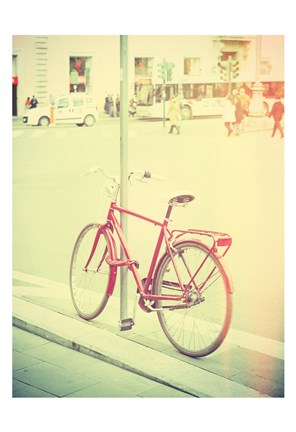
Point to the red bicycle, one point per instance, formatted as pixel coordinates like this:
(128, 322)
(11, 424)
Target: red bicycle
(187, 286)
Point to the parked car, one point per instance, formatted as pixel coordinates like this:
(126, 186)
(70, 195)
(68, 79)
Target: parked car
(77, 108)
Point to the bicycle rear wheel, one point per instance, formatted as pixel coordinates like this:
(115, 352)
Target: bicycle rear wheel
(200, 328)
(89, 286)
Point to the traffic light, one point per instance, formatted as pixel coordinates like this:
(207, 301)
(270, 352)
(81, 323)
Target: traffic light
(162, 71)
(235, 69)
(224, 70)
(169, 66)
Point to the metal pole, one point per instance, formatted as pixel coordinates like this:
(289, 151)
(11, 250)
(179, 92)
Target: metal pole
(163, 95)
(258, 58)
(229, 62)
(256, 108)
(125, 322)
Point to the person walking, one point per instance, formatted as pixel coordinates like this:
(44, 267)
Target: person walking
(245, 102)
(277, 112)
(228, 115)
(111, 106)
(28, 103)
(106, 106)
(132, 109)
(34, 102)
(239, 112)
(117, 104)
(174, 114)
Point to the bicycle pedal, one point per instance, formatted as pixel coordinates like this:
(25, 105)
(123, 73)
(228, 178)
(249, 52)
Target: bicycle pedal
(126, 324)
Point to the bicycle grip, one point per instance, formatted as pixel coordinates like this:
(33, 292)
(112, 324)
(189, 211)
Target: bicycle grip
(148, 174)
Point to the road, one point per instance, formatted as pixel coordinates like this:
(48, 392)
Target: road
(238, 183)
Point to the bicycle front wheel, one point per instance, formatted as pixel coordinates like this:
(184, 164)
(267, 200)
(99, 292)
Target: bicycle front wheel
(89, 286)
(199, 325)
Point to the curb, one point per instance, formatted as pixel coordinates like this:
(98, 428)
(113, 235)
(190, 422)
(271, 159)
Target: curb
(127, 354)
(254, 124)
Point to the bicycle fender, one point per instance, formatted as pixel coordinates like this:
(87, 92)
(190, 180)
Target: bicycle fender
(113, 256)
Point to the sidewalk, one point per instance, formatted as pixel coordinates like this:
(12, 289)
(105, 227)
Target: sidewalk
(45, 369)
(244, 366)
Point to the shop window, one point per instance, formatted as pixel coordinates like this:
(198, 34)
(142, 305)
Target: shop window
(144, 92)
(80, 74)
(144, 66)
(192, 66)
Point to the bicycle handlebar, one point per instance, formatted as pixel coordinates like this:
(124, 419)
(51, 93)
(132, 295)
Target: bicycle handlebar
(95, 170)
(138, 175)
(142, 175)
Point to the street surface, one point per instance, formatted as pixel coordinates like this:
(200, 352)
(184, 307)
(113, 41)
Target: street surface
(238, 183)
(41, 369)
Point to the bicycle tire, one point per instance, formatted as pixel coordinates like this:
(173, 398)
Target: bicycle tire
(199, 330)
(90, 289)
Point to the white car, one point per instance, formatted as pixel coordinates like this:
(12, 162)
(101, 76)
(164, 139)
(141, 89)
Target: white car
(77, 108)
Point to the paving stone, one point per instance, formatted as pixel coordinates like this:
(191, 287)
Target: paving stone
(53, 379)
(102, 390)
(22, 390)
(22, 341)
(21, 360)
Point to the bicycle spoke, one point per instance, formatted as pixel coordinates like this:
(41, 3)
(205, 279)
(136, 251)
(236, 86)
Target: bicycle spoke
(89, 286)
(201, 327)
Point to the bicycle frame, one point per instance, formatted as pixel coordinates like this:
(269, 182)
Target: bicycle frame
(186, 282)
(165, 236)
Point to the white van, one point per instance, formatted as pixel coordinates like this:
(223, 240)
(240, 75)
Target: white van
(77, 108)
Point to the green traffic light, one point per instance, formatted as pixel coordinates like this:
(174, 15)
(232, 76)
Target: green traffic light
(235, 69)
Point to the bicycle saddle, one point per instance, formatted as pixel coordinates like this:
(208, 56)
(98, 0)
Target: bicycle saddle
(181, 199)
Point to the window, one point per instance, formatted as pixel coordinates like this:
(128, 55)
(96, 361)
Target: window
(89, 100)
(190, 91)
(78, 102)
(63, 103)
(226, 54)
(274, 89)
(80, 74)
(144, 66)
(192, 66)
(200, 91)
(265, 67)
(144, 92)
(220, 89)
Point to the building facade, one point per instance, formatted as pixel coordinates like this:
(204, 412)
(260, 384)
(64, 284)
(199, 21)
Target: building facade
(50, 66)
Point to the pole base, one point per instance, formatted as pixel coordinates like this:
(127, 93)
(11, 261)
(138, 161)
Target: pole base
(257, 122)
(126, 324)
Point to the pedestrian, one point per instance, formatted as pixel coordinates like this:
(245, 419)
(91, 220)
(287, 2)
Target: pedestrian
(28, 103)
(133, 106)
(277, 112)
(228, 115)
(174, 114)
(111, 106)
(34, 102)
(245, 101)
(239, 113)
(117, 104)
(106, 106)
